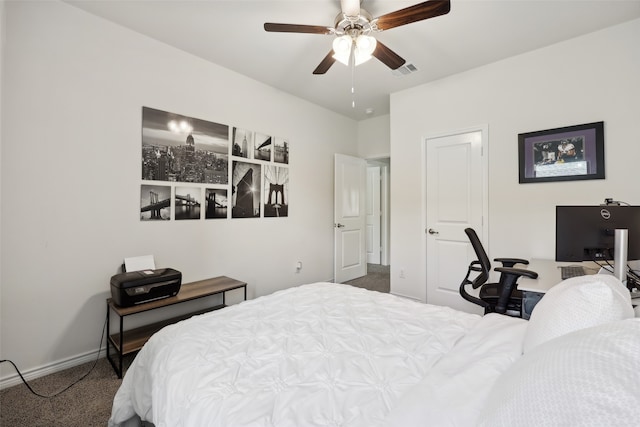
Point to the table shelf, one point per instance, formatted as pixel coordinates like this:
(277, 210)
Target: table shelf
(134, 339)
(129, 341)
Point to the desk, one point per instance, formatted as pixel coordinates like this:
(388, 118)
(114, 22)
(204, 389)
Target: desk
(549, 275)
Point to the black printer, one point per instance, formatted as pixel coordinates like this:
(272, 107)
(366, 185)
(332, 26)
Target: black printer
(136, 287)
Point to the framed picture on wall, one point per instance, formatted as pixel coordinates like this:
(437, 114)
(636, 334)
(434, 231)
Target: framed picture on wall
(562, 154)
(276, 191)
(155, 202)
(245, 190)
(180, 148)
(187, 203)
(215, 203)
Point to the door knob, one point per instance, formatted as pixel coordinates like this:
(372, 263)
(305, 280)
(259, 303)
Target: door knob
(432, 231)
(338, 225)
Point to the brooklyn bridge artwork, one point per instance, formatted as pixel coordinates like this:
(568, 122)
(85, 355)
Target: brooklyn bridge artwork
(187, 202)
(155, 202)
(276, 190)
(215, 203)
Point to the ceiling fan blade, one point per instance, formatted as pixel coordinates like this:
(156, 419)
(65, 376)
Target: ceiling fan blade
(387, 56)
(350, 7)
(296, 28)
(418, 12)
(326, 63)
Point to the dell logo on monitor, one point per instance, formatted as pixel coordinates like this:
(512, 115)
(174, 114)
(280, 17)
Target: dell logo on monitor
(605, 213)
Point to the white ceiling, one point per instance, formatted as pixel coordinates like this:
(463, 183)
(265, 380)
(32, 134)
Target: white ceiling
(476, 32)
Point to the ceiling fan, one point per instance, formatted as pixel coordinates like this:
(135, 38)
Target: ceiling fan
(353, 27)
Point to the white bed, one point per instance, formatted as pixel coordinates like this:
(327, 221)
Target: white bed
(332, 355)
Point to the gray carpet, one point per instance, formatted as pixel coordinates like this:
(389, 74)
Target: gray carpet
(377, 279)
(88, 403)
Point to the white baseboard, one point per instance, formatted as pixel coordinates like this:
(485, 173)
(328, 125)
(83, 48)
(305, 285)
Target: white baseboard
(61, 365)
(406, 297)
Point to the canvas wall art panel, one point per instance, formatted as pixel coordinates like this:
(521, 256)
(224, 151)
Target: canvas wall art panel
(281, 150)
(155, 202)
(216, 203)
(242, 140)
(262, 147)
(276, 191)
(187, 203)
(179, 148)
(245, 187)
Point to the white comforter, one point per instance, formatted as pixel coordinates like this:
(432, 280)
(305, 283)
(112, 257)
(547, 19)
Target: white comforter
(316, 355)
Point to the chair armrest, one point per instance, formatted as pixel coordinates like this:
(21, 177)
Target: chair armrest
(478, 281)
(510, 262)
(517, 272)
(508, 278)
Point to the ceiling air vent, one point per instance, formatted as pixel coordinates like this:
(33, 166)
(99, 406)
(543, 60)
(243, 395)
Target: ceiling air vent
(404, 70)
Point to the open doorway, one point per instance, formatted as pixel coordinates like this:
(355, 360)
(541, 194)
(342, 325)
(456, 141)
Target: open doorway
(378, 277)
(377, 223)
(362, 251)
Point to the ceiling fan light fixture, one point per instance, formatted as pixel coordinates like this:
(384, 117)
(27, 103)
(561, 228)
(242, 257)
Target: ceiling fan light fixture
(342, 48)
(353, 22)
(365, 45)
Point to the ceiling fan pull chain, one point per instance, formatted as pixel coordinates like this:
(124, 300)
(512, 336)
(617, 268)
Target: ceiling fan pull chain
(353, 82)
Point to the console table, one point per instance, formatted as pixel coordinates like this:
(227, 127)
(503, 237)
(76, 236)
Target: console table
(132, 340)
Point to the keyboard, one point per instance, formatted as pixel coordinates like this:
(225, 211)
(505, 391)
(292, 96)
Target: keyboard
(571, 271)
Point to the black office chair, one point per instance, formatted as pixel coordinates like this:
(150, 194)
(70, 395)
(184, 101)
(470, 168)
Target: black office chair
(502, 297)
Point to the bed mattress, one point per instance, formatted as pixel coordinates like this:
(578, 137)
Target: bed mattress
(322, 354)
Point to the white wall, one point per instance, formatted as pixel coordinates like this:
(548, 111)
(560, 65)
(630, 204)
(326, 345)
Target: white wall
(374, 144)
(587, 79)
(373, 137)
(73, 89)
(2, 38)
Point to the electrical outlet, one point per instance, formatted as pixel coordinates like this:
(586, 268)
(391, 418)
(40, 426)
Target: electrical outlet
(402, 273)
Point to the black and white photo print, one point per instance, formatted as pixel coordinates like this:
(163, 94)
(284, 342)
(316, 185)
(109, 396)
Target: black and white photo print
(281, 150)
(155, 202)
(242, 141)
(276, 191)
(245, 187)
(178, 148)
(215, 203)
(187, 202)
(262, 147)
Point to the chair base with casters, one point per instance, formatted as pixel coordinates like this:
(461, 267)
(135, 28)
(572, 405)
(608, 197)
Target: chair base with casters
(502, 297)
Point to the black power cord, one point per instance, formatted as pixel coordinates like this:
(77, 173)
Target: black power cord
(633, 276)
(104, 327)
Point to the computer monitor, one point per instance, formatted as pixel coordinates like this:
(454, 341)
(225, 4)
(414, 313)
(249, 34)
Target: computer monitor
(587, 233)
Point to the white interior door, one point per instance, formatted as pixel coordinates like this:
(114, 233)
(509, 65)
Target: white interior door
(373, 218)
(349, 218)
(456, 198)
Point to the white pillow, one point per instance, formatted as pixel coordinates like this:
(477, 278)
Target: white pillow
(589, 377)
(578, 303)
